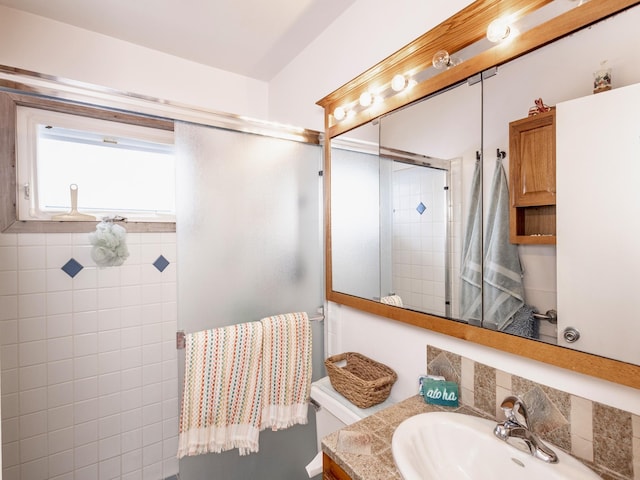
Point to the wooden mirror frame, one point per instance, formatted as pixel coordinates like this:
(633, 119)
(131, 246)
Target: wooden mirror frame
(461, 30)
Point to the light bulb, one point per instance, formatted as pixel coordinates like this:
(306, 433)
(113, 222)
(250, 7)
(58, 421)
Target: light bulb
(339, 113)
(398, 83)
(366, 99)
(498, 30)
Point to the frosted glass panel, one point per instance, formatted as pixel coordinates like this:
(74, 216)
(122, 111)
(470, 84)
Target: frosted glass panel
(249, 246)
(248, 227)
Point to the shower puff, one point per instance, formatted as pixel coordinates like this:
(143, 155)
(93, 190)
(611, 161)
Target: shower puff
(109, 244)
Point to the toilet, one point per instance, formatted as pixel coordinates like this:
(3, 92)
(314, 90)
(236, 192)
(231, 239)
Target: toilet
(333, 412)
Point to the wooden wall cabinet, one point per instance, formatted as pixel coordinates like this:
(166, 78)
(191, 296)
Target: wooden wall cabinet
(532, 172)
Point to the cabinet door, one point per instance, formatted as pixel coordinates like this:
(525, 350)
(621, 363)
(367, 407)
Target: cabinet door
(331, 470)
(532, 161)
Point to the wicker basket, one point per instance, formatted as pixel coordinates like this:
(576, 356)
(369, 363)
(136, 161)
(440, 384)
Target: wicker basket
(362, 381)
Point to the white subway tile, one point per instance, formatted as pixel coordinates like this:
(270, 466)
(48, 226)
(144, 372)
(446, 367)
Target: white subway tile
(87, 279)
(60, 417)
(60, 440)
(9, 356)
(60, 325)
(35, 470)
(60, 348)
(131, 337)
(10, 454)
(131, 358)
(57, 256)
(8, 332)
(10, 381)
(131, 426)
(109, 447)
(33, 448)
(85, 411)
(85, 300)
(59, 395)
(151, 353)
(108, 277)
(151, 373)
(82, 254)
(131, 378)
(86, 455)
(150, 294)
(109, 405)
(131, 398)
(131, 295)
(32, 305)
(8, 239)
(109, 362)
(85, 344)
(109, 383)
(135, 475)
(57, 280)
(132, 316)
(108, 341)
(59, 302)
(33, 424)
(151, 453)
(31, 329)
(34, 376)
(110, 468)
(151, 394)
(32, 401)
(130, 275)
(151, 313)
(31, 258)
(8, 307)
(108, 298)
(10, 405)
(8, 258)
(86, 432)
(31, 353)
(61, 463)
(152, 333)
(109, 426)
(109, 319)
(85, 322)
(154, 470)
(85, 389)
(84, 367)
(152, 414)
(132, 461)
(89, 472)
(59, 239)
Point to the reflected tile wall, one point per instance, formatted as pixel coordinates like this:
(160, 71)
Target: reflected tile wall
(605, 438)
(88, 358)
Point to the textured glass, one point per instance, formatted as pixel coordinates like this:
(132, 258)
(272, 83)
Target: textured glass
(249, 246)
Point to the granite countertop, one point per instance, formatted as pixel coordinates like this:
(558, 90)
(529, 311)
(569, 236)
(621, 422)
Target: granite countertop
(363, 449)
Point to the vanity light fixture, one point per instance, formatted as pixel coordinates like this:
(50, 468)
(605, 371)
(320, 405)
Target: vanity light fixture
(339, 113)
(398, 83)
(366, 99)
(498, 30)
(441, 59)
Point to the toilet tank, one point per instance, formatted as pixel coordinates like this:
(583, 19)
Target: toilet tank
(336, 411)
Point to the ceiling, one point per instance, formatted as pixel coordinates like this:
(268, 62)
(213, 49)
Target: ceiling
(254, 38)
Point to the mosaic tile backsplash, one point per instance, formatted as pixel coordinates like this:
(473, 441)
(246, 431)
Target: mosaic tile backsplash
(607, 439)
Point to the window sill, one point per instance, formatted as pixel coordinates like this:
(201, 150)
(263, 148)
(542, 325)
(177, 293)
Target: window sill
(85, 227)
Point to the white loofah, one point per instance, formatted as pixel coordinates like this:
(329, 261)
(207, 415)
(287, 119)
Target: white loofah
(109, 244)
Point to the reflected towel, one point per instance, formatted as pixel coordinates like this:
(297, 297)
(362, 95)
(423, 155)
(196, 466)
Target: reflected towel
(394, 300)
(222, 390)
(503, 289)
(471, 270)
(286, 370)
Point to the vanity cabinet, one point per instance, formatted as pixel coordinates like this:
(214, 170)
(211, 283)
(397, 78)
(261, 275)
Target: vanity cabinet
(532, 171)
(331, 470)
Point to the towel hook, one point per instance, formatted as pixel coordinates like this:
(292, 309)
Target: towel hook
(501, 154)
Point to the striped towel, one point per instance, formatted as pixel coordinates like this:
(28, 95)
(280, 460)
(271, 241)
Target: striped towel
(394, 300)
(222, 390)
(286, 370)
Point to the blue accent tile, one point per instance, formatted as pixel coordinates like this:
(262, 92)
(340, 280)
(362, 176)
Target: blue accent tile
(161, 263)
(72, 268)
(421, 208)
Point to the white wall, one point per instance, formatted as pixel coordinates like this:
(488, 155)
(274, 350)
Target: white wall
(368, 32)
(45, 46)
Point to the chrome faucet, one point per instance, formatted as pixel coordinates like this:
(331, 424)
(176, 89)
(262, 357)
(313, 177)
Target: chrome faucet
(517, 426)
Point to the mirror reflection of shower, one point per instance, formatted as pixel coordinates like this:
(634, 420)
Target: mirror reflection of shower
(414, 231)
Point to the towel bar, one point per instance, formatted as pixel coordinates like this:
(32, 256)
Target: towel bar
(181, 340)
(551, 316)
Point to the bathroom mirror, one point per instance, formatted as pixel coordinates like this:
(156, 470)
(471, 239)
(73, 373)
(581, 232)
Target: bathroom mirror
(543, 72)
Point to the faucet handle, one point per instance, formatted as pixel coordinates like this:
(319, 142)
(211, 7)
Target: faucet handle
(515, 410)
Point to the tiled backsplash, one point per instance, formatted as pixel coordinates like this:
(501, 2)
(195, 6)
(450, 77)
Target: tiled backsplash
(89, 364)
(605, 438)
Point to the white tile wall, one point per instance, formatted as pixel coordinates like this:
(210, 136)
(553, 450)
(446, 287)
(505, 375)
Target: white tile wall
(89, 366)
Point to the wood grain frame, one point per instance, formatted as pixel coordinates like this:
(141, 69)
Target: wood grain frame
(459, 31)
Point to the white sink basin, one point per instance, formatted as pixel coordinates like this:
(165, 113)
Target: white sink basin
(454, 446)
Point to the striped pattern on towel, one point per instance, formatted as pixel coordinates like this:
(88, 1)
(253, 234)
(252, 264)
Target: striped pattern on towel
(286, 370)
(222, 390)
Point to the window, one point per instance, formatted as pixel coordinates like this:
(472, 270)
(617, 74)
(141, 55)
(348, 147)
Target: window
(114, 169)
